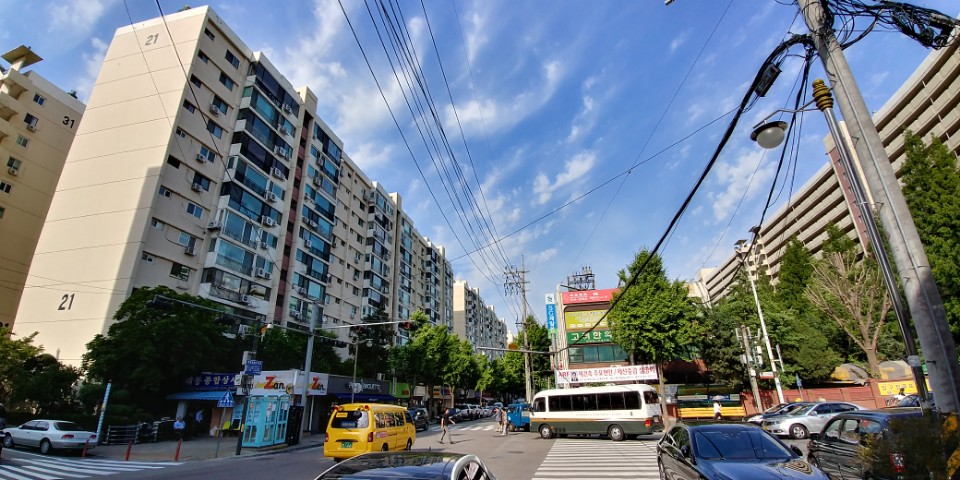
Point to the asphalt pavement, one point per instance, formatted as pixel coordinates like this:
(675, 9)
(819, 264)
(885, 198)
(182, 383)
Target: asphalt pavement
(194, 449)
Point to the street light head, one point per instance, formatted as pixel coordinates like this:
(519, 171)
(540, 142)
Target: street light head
(770, 135)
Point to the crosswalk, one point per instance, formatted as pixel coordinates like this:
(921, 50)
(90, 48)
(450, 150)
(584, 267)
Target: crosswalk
(601, 459)
(468, 428)
(53, 468)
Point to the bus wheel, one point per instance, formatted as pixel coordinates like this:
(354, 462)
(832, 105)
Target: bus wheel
(384, 448)
(511, 427)
(545, 432)
(616, 433)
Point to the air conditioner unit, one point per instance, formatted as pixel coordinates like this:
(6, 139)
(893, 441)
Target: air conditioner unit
(280, 151)
(316, 180)
(302, 290)
(244, 299)
(287, 109)
(308, 244)
(32, 127)
(244, 329)
(215, 110)
(263, 245)
(268, 221)
(263, 273)
(201, 157)
(271, 197)
(190, 250)
(13, 171)
(276, 172)
(197, 187)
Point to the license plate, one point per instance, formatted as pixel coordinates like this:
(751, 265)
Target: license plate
(347, 444)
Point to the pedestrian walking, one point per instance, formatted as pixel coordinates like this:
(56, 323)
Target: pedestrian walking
(503, 422)
(716, 410)
(178, 427)
(445, 421)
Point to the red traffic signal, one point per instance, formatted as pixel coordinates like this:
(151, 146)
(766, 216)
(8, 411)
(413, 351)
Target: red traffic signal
(410, 326)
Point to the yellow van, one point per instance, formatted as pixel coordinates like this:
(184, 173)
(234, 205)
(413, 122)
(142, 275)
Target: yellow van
(357, 428)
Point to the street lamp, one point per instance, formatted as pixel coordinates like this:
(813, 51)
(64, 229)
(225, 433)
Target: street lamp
(742, 252)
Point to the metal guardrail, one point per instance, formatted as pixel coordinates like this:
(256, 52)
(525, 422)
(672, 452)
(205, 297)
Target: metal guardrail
(138, 433)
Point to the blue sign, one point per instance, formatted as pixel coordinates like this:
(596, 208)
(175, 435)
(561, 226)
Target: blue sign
(210, 381)
(551, 316)
(254, 367)
(226, 401)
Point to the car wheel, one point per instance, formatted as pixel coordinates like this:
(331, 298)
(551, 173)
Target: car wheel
(616, 433)
(409, 444)
(798, 431)
(545, 432)
(384, 448)
(45, 447)
(8, 441)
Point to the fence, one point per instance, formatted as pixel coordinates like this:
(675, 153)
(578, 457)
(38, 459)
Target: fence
(139, 433)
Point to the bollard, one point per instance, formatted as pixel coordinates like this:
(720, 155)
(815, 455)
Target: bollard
(129, 447)
(84, 453)
(176, 456)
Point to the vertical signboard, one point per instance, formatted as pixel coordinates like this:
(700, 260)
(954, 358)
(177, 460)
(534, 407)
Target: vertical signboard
(551, 313)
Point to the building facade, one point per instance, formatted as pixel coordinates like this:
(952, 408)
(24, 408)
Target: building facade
(199, 166)
(925, 104)
(37, 124)
(476, 322)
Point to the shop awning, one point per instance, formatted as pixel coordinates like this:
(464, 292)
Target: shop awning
(211, 395)
(365, 397)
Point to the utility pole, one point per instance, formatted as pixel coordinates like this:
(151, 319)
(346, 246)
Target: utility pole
(315, 314)
(743, 335)
(913, 268)
(744, 254)
(515, 281)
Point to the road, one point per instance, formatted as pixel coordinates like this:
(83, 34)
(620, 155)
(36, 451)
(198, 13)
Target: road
(518, 456)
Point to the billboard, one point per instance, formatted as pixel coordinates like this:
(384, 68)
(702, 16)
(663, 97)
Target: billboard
(585, 320)
(607, 374)
(588, 296)
(290, 382)
(596, 336)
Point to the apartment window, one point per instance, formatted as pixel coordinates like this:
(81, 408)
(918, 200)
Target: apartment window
(180, 133)
(173, 162)
(232, 59)
(215, 129)
(38, 99)
(146, 257)
(194, 209)
(208, 154)
(219, 104)
(203, 57)
(180, 272)
(204, 182)
(189, 106)
(13, 165)
(196, 81)
(164, 192)
(5, 187)
(227, 81)
(30, 120)
(186, 239)
(209, 34)
(157, 224)
(22, 141)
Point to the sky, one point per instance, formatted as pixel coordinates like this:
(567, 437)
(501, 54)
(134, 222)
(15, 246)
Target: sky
(577, 128)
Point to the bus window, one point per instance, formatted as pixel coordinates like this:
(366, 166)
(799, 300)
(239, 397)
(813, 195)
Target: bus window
(539, 405)
(560, 403)
(633, 400)
(651, 398)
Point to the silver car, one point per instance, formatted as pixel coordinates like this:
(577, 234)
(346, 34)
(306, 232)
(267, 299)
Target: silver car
(49, 435)
(810, 418)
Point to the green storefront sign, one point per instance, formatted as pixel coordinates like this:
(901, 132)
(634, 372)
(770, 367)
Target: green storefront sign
(596, 336)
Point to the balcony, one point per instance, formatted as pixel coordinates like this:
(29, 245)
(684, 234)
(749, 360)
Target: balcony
(221, 292)
(9, 107)
(234, 265)
(14, 83)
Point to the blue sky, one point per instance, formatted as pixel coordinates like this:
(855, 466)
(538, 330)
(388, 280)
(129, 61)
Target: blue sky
(553, 98)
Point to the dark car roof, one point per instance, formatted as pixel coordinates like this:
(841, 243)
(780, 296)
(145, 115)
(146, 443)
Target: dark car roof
(714, 425)
(883, 414)
(395, 465)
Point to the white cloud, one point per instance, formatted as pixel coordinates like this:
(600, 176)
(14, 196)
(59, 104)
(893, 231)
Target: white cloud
(575, 169)
(369, 155)
(78, 17)
(678, 41)
(92, 61)
(476, 34)
(744, 178)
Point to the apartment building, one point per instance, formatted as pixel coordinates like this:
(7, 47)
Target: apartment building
(476, 322)
(38, 122)
(925, 104)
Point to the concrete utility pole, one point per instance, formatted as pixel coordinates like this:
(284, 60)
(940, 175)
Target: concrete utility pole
(315, 313)
(920, 290)
(743, 334)
(516, 281)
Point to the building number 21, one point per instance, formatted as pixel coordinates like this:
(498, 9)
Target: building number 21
(66, 301)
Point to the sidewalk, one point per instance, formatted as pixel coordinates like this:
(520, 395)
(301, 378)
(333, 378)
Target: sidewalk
(203, 448)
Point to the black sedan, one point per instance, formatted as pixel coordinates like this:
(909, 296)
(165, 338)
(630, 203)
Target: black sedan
(421, 419)
(729, 451)
(410, 464)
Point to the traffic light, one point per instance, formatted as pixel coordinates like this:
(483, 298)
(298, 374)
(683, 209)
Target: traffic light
(160, 303)
(409, 326)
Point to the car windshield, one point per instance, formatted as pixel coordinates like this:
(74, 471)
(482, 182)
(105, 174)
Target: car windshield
(738, 444)
(68, 427)
(776, 408)
(802, 409)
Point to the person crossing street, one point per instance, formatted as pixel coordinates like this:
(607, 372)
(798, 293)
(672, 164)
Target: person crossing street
(446, 421)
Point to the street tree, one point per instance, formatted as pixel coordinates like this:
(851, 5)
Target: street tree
(536, 337)
(373, 344)
(149, 352)
(931, 187)
(282, 349)
(13, 354)
(47, 386)
(651, 317)
(848, 288)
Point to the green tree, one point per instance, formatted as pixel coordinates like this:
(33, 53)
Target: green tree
(148, 352)
(47, 385)
(652, 318)
(931, 186)
(539, 341)
(281, 349)
(13, 354)
(796, 268)
(373, 344)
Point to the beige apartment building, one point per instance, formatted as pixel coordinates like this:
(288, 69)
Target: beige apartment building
(38, 122)
(477, 322)
(925, 104)
(200, 167)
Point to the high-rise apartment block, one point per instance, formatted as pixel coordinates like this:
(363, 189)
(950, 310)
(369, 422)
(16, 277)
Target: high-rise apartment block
(200, 167)
(475, 321)
(37, 125)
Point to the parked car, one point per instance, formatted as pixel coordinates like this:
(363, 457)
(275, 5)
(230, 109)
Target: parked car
(913, 400)
(413, 464)
(838, 448)
(49, 435)
(808, 418)
(421, 419)
(714, 450)
(778, 409)
(518, 417)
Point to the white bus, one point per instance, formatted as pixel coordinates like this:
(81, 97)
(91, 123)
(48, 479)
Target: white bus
(618, 411)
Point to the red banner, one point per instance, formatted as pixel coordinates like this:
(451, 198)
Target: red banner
(588, 296)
